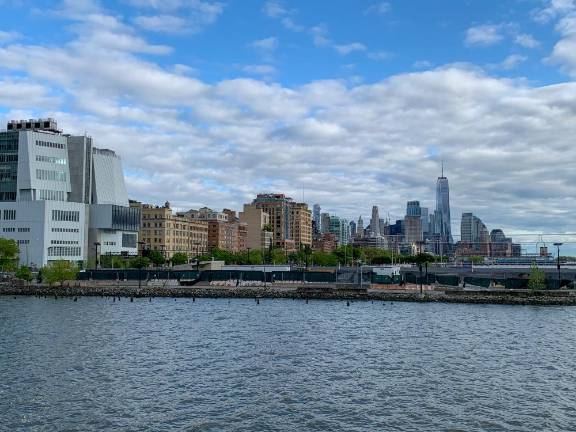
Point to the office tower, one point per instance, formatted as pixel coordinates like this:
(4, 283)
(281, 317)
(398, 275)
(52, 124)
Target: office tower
(291, 221)
(425, 221)
(352, 229)
(412, 229)
(413, 208)
(442, 213)
(474, 234)
(325, 223)
(316, 219)
(258, 228)
(59, 195)
(336, 228)
(360, 228)
(375, 222)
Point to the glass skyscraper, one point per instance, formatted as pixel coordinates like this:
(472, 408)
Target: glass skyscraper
(442, 214)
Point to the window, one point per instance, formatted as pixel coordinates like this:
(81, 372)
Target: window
(66, 230)
(63, 242)
(50, 144)
(9, 214)
(65, 215)
(59, 251)
(8, 229)
(42, 174)
(23, 229)
(128, 240)
(51, 195)
(49, 159)
(23, 241)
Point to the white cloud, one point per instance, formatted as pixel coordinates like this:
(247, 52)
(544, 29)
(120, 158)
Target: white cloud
(349, 48)
(274, 9)
(512, 62)
(526, 40)
(161, 23)
(6, 36)
(381, 8)
(553, 9)
(267, 44)
(483, 35)
(379, 55)
(380, 143)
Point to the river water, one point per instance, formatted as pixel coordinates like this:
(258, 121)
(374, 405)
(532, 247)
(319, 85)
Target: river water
(284, 365)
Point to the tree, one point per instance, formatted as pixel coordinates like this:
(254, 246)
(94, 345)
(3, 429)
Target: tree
(537, 280)
(157, 258)
(59, 271)
(140, 262)
(422, 258)
(24, 273)
(179, 258)
(8, 254)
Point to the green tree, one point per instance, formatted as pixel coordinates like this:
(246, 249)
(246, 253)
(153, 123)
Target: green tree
(59, 271)
(179, 258)
(157, 258)
(8, 254)
(324, 259)
(422, 258)
(139, 262)
(537, 280)
(24, 273)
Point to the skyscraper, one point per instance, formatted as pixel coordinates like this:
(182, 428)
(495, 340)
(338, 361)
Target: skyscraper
(375, 222)
(360, 228)
(413, 208)
(317, 222)
(442, 214)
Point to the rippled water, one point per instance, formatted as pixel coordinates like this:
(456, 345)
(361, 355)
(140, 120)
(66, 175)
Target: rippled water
(283, 365)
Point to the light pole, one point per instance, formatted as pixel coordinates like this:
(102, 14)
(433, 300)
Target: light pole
(558, 262)
(141, 250)
(96, 244)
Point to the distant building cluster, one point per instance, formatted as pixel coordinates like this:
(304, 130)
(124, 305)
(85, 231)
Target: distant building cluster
(63, 198)
(419, 231)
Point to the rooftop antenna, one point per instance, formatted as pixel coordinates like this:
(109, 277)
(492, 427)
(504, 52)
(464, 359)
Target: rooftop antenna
(442, 167)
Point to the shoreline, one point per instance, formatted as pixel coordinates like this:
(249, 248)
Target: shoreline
(516, 297)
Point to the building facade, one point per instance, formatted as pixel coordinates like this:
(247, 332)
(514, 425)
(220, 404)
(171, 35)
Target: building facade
(169, 233)
(60, 197)
(258, 228)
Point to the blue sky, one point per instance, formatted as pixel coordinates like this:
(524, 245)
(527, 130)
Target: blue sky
(357, 102)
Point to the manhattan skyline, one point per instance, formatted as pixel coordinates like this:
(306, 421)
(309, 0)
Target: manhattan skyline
(302, 101)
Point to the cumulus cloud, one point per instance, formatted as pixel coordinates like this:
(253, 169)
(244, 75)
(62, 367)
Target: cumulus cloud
(483, 35)
(161, 23)
(349, 48)
(508, 145)
(381, 8)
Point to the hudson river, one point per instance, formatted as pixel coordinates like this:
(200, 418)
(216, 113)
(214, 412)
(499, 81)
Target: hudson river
(284, 365)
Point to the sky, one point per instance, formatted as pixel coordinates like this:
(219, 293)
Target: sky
(345, 103)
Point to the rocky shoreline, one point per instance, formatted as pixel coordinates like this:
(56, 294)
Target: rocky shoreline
(517, 297)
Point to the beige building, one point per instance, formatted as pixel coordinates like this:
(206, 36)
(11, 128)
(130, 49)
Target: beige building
(256, 222)
(163, 231)
(224, 230)
(291, 222)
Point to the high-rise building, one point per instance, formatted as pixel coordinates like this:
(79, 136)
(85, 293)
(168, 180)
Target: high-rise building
(60, 197)
(258, 228)
(425, 221)
(360, 228)
(442, 213)
(375, 222)
(474, 235)
(413, 208)
(291, 221)
(316, 219)
(413, 229)
(325, 223)
(352, 229)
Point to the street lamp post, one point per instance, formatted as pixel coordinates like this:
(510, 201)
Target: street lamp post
(141, 252)
(558, 261)
(96, 244)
